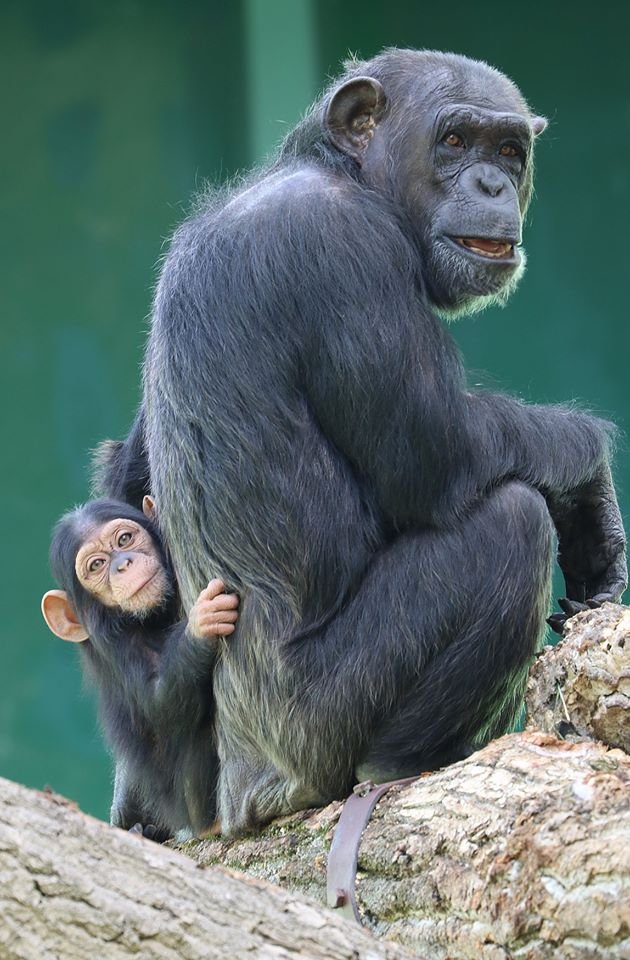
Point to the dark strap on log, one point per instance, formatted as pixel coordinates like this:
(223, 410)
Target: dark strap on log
(344, 850)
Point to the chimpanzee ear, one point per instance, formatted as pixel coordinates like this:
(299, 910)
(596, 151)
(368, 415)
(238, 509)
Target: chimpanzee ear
(148, 507)
(60, 616)
(538, 125)
(353, 114)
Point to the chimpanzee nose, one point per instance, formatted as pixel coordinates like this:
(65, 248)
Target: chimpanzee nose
(490, 180)
(122, 562)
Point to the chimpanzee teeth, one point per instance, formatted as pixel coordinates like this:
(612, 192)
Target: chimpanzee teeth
(488, 253)
(503, 251)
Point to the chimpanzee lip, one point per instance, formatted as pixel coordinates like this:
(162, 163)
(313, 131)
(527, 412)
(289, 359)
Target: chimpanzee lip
(145, 584)
(489, 248)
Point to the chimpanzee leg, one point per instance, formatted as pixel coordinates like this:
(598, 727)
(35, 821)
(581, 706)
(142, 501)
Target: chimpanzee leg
(472, 690)
(252, 793)
(427, 658)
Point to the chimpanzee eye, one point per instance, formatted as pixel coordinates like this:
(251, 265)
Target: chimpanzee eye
(453, 139)
(95, 564)
(509, 150)
(124, 539)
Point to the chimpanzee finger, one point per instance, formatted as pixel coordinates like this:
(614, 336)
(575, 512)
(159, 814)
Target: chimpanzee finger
(225, 601)
(214, 588)
(557, 621)
(571, 607)
(209, 617)
(611, 593)
(209, 631)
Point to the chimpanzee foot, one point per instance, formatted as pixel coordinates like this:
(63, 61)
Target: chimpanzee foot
(149, 831)
(250, 796)
(380, 771)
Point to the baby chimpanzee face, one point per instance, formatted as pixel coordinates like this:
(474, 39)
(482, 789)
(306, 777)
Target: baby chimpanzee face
(119, 564)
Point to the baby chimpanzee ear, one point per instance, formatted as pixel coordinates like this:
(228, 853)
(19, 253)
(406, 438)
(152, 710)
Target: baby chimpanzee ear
(148, 507)
(60, 616)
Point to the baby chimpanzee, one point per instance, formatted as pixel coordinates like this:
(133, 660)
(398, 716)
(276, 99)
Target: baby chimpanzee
(153, 674)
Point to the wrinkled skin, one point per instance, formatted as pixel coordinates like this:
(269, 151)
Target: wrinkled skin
(119, 566)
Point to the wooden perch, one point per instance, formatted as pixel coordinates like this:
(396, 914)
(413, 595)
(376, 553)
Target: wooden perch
(523, 849)
(581, 688)
(73, 888)
(520, 851)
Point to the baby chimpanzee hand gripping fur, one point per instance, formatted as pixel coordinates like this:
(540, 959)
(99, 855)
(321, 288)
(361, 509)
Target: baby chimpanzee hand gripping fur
(153, 675)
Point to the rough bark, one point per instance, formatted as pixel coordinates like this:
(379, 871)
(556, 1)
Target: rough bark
(72, 888)
(581, 688)
(520, 851)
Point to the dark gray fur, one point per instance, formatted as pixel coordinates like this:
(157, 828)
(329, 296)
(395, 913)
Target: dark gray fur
(312, 440)
(154, 686)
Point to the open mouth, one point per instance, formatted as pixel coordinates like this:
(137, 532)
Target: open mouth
(494, 249)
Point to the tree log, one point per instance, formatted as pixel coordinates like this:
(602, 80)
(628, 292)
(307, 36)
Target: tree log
(520, 851)
(72, 887)
(581, 687)
(523, 850)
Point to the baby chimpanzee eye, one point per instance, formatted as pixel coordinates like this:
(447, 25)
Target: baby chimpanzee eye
(95, 564)
(124, 539)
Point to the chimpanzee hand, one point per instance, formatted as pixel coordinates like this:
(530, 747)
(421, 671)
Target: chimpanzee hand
(591, 548)
(214, 614)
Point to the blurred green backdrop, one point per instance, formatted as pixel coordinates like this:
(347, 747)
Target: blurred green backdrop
(113, 115)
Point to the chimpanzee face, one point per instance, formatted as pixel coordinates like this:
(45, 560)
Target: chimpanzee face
(469, 202)
(455, 153)
(120, 566)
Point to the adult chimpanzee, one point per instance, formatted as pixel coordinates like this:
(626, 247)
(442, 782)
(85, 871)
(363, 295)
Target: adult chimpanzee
(395, 528)
(120, 468)
(153, 676)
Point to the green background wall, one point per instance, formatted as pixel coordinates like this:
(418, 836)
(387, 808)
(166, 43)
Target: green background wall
(112, 116)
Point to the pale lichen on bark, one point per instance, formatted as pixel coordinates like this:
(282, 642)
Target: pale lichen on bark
(521, 850)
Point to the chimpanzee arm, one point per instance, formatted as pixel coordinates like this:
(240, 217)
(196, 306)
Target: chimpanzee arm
(128, 811)
(187, 660)
(564, 453)
(126, 808)
(182, 689)
(120, 468)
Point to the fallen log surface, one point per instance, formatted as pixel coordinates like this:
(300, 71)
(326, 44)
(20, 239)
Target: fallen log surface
(72, 888)
(522, 850)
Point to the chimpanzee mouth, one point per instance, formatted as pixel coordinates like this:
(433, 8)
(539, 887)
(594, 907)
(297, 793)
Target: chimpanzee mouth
(145, 583)
(492, 249)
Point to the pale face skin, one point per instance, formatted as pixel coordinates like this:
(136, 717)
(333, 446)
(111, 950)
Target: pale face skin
(120, 566)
